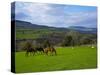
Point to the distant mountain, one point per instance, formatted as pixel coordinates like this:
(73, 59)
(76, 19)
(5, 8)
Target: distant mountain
(24, 24)
(83, 29)
(28, 25)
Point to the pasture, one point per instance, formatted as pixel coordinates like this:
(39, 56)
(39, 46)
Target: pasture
(82, 57)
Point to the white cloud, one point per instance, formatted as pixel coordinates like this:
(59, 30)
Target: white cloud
(81, 17)
(46, 14)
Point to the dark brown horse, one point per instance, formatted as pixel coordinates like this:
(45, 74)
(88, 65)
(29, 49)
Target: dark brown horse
(30, 51)
(33, 51)
(39, 50)
(52, 50)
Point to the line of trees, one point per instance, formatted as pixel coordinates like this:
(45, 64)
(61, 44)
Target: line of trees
(75, 38)
(71, 38)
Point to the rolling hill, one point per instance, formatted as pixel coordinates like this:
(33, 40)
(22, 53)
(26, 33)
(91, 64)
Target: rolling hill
(28, 25)
(84, 29)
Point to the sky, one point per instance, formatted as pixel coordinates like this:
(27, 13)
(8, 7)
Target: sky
(56, 15)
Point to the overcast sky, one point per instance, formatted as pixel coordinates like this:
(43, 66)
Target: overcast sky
(57, 15)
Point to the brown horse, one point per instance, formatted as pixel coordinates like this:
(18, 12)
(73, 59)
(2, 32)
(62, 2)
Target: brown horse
(39, 50)
(52, 50)
(33, 51)
(30, 51)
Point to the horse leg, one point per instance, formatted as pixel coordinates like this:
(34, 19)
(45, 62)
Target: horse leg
(55, 52)
(30, 53)
(51, 53)
(26, 54)
(41, 52)
(33, 53)
(46, 52)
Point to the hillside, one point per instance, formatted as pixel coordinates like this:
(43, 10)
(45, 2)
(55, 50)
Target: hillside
(84, 29)
(28, 25)
(27, 30)
(56, 36)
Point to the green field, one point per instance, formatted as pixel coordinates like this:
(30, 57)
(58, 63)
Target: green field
(67, 59)
(31, 34)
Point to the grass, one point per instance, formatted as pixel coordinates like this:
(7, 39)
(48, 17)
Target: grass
(67, 59)
(27, 36)
(31, 34)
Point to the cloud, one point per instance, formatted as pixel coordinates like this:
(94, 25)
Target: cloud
(56, 15)
(82, 18)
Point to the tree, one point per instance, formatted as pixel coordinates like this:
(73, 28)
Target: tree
(27, 45)
(86, 40)
(71, 38)
(75, 37)
(68, 41)
(46, 44)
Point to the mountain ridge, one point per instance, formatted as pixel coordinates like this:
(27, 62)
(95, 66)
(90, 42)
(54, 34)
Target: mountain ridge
(24, 24)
